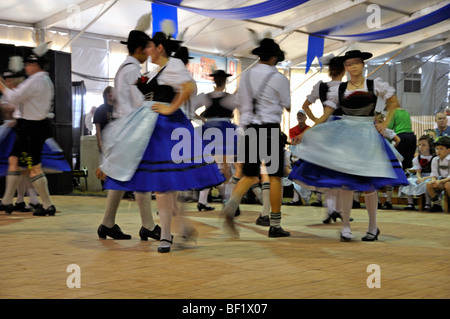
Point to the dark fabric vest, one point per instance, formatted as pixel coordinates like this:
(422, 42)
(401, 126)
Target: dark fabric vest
(323, 90)
(154, 92)
(358, 103)
(427, 167)
(216, 109)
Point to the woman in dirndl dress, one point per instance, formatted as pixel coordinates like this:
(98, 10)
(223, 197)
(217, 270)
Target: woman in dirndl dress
(219, 134)
(349, 153)
(169, 151)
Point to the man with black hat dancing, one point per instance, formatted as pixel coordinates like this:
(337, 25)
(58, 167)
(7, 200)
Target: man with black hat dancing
(128, 97)
(34, 97)
(262, 95)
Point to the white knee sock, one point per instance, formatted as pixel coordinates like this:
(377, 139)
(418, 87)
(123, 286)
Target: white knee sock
(21, 189)
(144, 202)
(330, 201)
(256, 189)
(112, 204)
(40, 184)
(165, 203)
(12, 180)
(265, 198)
(32, 194)
(371, 200)
(410, 199)
(346, 198)
(203, 196)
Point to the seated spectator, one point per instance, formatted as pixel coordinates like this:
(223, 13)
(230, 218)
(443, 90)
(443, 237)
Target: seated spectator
(440, 173)
(442, 127)
(422, 168)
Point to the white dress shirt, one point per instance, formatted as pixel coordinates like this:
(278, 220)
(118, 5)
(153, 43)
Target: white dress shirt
(128, 96)
(34, 96)
(440, 167)
(271, 100)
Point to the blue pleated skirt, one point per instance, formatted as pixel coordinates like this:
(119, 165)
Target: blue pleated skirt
(220, 137)
(173, 159)
(52, 159)
(347, 153)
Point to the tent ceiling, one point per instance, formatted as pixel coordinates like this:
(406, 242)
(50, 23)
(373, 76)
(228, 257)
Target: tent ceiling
(232, 38)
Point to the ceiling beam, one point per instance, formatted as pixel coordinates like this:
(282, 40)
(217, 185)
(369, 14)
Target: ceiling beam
(64, 14)
(322, 14)
(421, 34)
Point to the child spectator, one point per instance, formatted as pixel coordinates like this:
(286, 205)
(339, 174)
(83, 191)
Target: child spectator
(440, 171)
(422, 167)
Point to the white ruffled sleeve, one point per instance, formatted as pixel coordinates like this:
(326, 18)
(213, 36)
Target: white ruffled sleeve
(175, 74)
(314, 95)
(332, 97)
(383, 89)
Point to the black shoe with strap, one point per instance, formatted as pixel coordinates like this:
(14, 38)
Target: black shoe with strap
(165, 249)
(371, 237)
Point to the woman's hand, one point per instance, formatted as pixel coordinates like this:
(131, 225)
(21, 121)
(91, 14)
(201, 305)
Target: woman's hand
(162, 109)
(296, 140)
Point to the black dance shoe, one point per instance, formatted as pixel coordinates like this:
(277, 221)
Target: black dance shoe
(21, 207)
(278, 232)
(370, 236)
(201, 207)
(7, 208)
(317, 203)
(292, 203)
(114, 232)
(144, 233)
(263, 221)
(165, 249)
(41, 211)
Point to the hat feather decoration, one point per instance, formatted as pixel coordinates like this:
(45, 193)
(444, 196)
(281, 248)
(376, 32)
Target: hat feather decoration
(256, 37)
(15, 64)
(41, 49)
(168, 27)
(144, 22)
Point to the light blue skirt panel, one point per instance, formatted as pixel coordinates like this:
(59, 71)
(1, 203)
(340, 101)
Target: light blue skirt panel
(347, 153)
(167, 154)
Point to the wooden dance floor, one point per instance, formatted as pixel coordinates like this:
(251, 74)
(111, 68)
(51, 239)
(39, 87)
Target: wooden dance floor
(412, 256)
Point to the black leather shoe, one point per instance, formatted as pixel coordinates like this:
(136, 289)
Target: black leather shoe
(7, 208)
(336, 215)
(165, 249)
(278, 232)
(201, 207)
(144, 233)
(114, 232)
(370, 236)
(41, 211)
(317, 203)
(21, 207)
(292, 203)
(263, 221)
(386, 205)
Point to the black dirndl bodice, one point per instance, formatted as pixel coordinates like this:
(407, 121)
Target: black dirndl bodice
(358, 103)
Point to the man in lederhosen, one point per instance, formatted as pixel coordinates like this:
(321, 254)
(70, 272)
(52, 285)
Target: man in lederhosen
(262, 95)
(34, 97)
